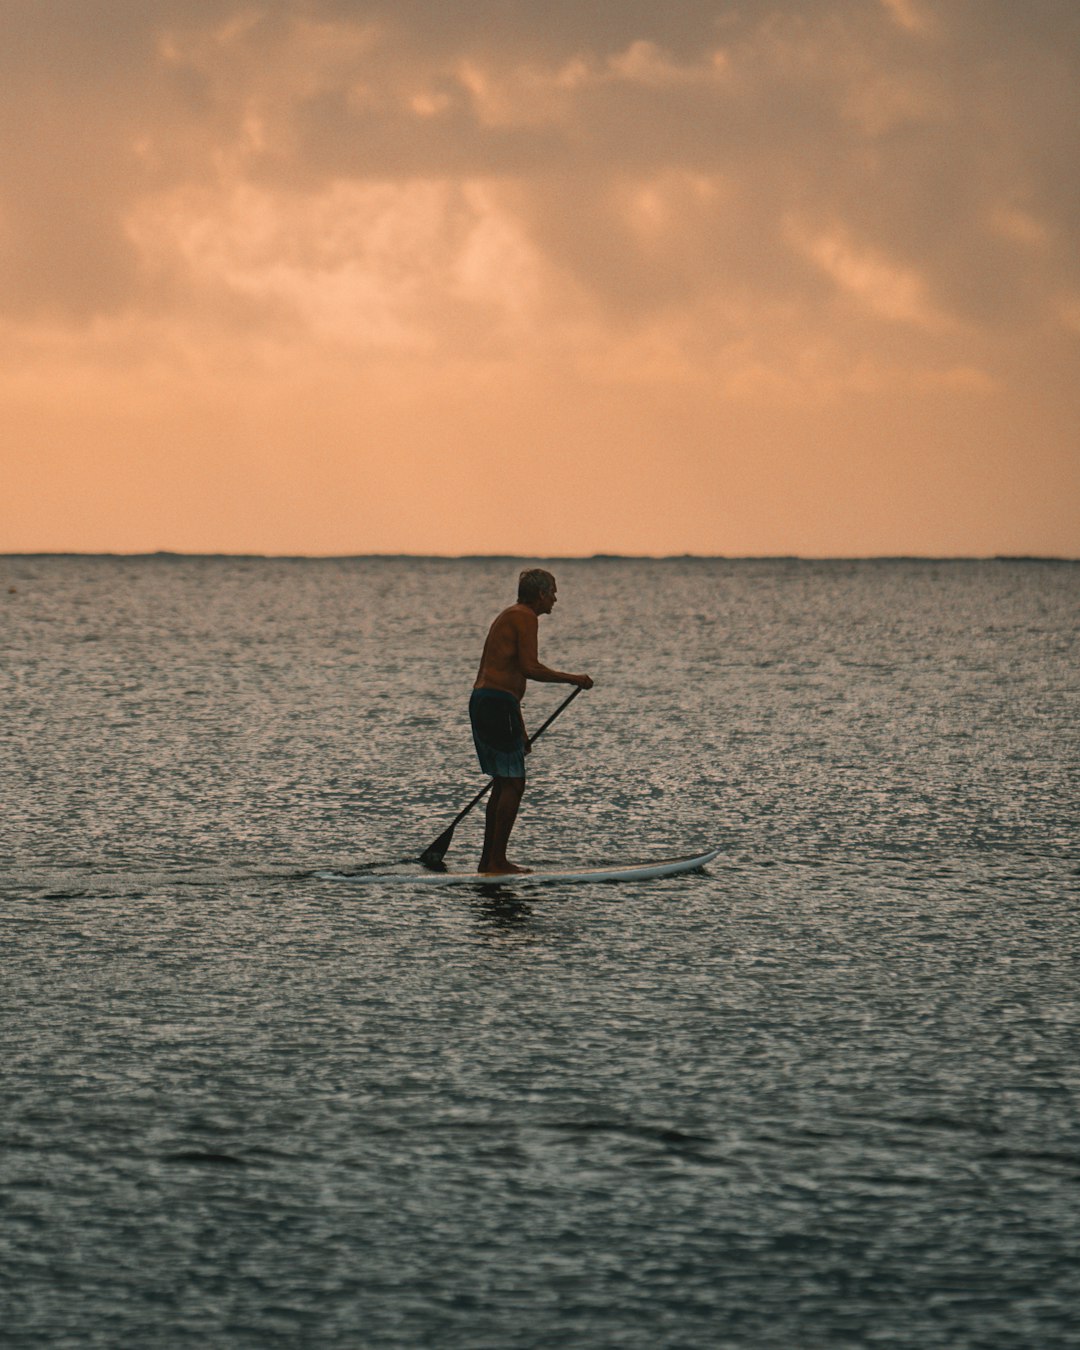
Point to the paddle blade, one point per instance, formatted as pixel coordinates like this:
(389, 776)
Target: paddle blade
(433, 855)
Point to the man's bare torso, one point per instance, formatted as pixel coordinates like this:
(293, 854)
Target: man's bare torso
(509, 651)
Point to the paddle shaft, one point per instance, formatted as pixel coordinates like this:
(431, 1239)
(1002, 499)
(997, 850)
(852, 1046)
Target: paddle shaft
(436, 850)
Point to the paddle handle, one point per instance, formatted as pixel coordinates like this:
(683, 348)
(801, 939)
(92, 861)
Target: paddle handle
(564, 704)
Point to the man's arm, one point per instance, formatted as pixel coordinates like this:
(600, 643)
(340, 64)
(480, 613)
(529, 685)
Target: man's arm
(529, 661)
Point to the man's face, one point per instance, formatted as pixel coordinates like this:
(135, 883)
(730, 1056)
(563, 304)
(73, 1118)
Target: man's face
(547, 601)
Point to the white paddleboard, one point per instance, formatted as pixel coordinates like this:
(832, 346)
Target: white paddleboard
(661, 867)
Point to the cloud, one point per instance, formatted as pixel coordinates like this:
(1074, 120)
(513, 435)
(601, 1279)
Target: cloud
(370, 265)
(589, 119)
(908, 15)
(881, 286)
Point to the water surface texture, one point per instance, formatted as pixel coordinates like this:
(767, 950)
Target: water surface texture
(823, 1095)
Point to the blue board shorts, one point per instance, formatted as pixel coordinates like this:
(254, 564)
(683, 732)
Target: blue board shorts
(498, 733)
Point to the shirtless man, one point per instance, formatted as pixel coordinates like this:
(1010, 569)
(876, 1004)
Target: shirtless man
(508, 660)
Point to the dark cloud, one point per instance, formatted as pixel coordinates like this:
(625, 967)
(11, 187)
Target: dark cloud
(335, 140)
(534, 29)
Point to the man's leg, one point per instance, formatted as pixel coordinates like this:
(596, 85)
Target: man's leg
(502, 809)
(490, 812)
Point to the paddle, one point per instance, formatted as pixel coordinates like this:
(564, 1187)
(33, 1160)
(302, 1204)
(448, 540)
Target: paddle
(433, 855)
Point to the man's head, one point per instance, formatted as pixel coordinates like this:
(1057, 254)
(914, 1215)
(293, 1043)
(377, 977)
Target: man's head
(536, 588)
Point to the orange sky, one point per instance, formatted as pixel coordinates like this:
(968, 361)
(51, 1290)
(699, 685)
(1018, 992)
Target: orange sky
(326, 276)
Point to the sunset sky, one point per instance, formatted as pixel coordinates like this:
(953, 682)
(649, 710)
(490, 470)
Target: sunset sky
(540, 277)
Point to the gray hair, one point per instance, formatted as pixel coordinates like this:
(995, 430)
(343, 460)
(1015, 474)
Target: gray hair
(533, 583)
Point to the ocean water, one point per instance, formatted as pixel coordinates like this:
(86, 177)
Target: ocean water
(825, 1094)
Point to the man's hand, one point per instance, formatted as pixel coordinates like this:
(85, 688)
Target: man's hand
(582, 681)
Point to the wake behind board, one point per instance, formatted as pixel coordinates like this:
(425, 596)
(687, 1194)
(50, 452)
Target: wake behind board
(660, 867)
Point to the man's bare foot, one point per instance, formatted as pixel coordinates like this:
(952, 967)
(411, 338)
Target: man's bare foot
(503, 869)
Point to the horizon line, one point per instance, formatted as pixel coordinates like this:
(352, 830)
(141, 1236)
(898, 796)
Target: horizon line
(165, 554)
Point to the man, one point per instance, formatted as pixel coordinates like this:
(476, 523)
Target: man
(508, 660)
